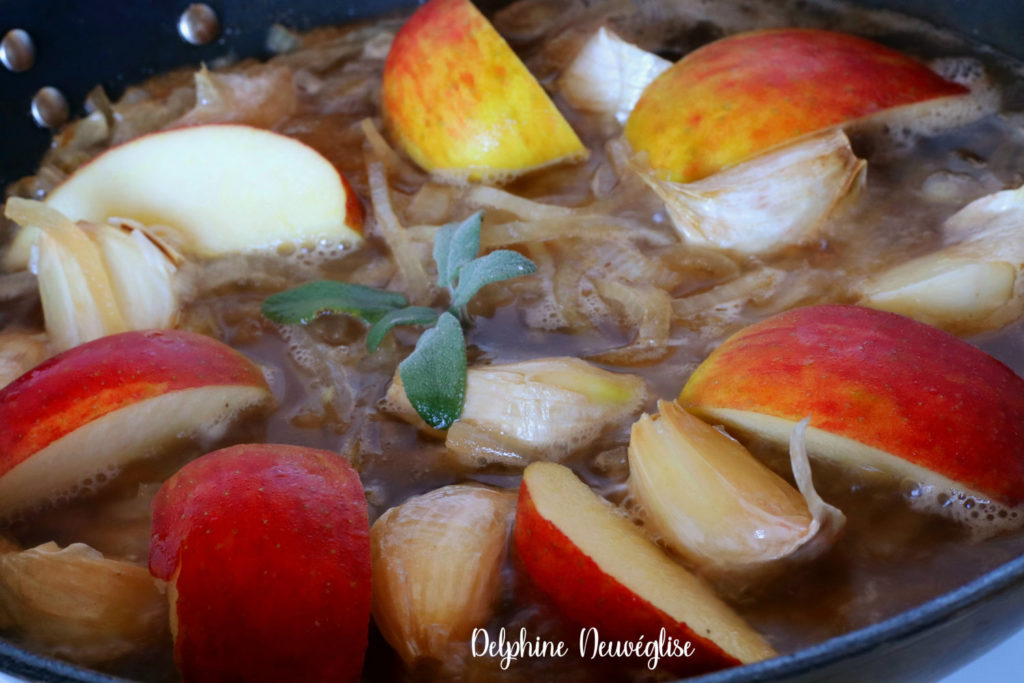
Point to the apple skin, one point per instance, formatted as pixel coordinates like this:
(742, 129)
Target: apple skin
(267, 550)
(588, 595)
(747, 93)
(43, 411)
(879, 379)
(220, 188)
(460, 102)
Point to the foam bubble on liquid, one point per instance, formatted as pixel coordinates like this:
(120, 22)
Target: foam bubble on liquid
(982, 516)
(903, 126)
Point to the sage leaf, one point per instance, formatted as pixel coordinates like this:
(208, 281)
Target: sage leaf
(455, 245)
(308, 302)
(496, 266)
(434, 375)
(410, 315)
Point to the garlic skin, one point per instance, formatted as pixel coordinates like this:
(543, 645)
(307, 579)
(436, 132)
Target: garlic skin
(971, 285)
(608, 75)
(777, 199)
(707, 498)
(437, 562)
(538, 409)
(97, 280)
(78, 605)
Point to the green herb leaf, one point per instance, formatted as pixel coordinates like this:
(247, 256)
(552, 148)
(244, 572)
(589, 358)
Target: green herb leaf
(434, 375)
(455, 245)
(308, 302)
(496, 266)
(410, 315)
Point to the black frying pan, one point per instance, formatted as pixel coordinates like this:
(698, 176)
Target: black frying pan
(113, 43)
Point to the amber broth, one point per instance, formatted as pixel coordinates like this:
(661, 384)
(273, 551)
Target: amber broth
(890, 557)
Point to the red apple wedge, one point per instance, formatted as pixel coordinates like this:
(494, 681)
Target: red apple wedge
(76, 419)
(460, 102)
(266, 548)
(218, 188)
(748, 93)
(882, 391)
(601, 571)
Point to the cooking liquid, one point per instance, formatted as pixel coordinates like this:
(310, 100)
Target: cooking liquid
(889, 558)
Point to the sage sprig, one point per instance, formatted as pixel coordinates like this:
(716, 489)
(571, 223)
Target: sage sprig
(434, 374)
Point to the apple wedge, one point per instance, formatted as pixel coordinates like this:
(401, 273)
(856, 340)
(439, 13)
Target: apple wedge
(601, 571)
(266, 549)
(747, 93)
(883, 392)
(218, 189)
(460, 102)
(75, 420)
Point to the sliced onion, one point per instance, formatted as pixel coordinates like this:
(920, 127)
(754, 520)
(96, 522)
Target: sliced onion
(416, 284)
(258, 97)
(649, 310)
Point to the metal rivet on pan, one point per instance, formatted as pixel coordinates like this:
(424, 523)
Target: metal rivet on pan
(49, 107)
(17, 51)
(199, 24)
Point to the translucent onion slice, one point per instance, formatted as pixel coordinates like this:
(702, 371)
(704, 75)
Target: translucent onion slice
(260, 97)
(78, 605)
(608, 75)
(647, 309)
(777, 199)
(538, 409)
(971, 285)
(20, 351)
(705, 496)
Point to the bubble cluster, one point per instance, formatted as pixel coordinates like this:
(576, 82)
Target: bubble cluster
(902, 127)
(983, 517)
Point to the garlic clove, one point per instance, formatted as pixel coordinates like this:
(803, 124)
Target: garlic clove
(544, 409)
(971, 285)
(942, 290)
(706, 497)
(78, 605)
(141, 275)
(609, 75)
(779, 198)
(98, 280)
(437, 562)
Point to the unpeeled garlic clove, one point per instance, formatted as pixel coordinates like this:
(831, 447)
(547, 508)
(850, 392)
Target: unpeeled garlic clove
(97, 280)
(78, 605)
(706, 497)
(437, 562)
(971, 285)
(779, 198)
(141, 275)
(609, 75)
(955, 294)
(545, 409)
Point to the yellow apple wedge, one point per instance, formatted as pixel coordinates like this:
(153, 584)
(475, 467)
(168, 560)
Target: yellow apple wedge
(745, 94)
(220, 189)
(460, 102)
(600, 571)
